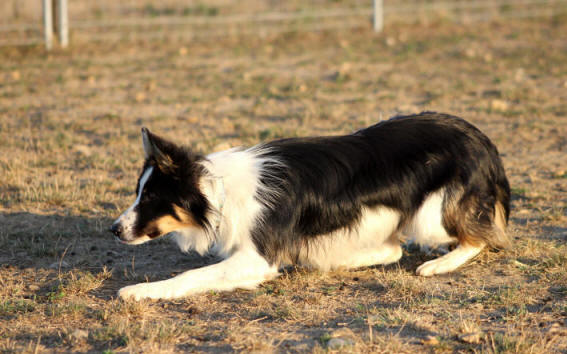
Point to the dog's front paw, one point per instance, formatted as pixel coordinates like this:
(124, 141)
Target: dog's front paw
(134, 292)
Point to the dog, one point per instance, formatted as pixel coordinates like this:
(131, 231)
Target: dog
(320, 202)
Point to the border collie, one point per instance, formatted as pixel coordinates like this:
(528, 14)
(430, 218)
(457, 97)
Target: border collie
(320, 202)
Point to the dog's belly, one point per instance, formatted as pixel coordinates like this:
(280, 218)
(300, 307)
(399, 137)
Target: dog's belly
(376, 239)
(372, 241)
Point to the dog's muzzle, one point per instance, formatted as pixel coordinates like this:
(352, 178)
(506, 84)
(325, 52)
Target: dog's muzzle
(117, 229)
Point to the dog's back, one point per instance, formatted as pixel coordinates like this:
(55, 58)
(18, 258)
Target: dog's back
(325, 184)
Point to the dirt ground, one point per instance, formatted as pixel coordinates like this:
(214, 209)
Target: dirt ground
(70, 153)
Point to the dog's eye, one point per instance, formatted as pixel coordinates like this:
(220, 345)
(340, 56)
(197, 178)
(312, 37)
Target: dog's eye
(148, 195)
(145, 194)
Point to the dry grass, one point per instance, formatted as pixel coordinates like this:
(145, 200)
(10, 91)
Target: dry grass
(71, 151)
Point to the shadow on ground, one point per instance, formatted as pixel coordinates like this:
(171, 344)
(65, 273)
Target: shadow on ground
(58, 243)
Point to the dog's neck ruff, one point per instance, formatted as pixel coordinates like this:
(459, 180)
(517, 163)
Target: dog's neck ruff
(221, 200)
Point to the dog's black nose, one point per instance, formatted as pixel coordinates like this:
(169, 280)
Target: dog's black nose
(116, 229)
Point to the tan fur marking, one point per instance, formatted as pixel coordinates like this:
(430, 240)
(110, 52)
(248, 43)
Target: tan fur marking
(168, 223)
(463, 220)
(500, 223)
(183, 215)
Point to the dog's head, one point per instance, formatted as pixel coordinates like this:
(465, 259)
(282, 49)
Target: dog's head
(168, 197)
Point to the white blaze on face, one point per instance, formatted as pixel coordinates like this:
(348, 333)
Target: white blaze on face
(128, 218)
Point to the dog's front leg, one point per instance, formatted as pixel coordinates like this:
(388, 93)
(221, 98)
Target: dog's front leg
(244, 269)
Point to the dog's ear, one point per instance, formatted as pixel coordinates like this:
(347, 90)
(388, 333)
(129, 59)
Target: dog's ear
(147, 142)
(155, 148)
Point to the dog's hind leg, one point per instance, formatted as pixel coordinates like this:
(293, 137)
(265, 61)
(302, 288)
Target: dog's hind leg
(386, 253)
(476, 222)
(244, 269)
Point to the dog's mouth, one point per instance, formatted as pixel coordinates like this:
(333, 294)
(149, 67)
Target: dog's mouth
(154, 234)
(124, 242)
(127, 236)
(136, 241)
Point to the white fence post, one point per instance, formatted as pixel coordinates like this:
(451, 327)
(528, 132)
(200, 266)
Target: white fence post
(378, 15)
(63, 23)
(48, 24)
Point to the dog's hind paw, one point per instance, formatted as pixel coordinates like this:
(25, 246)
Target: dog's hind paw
(450, 261)
(433, 267)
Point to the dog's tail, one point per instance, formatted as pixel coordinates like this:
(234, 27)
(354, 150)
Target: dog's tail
(479, 216)
(487, 220)
(501, 213)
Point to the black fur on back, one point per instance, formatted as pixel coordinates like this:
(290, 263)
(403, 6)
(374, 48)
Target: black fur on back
(323, 183)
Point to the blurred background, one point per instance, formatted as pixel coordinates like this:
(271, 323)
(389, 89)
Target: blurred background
(21, 20)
